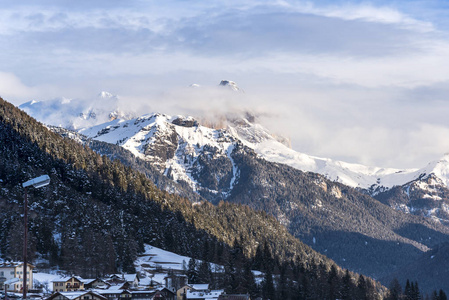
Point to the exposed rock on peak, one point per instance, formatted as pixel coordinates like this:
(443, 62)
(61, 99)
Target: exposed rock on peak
(185, 121)
(231, 85)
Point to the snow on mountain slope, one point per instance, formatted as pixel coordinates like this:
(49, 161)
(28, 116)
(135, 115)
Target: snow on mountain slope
(174, 144)
(178, 146)
(355, 175)
(439, 168)
(75, 113)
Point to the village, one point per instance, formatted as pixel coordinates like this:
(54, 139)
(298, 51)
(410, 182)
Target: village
(175, 286)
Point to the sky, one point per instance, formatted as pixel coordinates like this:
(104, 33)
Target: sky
(359, 81)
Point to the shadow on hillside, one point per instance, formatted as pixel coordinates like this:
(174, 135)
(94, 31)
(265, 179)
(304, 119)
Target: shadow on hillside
(422, 234)
(430, 270)
(357, 252)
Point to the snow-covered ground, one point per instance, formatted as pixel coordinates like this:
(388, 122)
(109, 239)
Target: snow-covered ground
(154, 258)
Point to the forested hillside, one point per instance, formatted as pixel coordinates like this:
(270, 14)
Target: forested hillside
(96, 215)
(352, 228)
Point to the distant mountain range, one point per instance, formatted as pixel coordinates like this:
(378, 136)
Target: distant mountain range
(76, 113)
(101, 119)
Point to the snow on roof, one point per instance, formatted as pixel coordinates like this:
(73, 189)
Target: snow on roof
(87, 281)
(12, 264)
(67, 278)
(206, 295)
(74, 295)
(131, 277)
(200, 287)
(110, 291)
(115, 287)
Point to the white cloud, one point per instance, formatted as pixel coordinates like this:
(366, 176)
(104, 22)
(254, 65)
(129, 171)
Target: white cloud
(12, 88)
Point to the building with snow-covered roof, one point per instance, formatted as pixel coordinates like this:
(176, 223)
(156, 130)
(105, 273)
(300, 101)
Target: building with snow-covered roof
(175, 281)
(114, 293)
(68, 284)
(200, 287)
(79, 295)
(161, 294)
(128, 280)
(203, 295)
(95, 284)
(11, 270)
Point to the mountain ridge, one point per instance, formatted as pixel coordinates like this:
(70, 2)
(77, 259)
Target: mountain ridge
(299, 200)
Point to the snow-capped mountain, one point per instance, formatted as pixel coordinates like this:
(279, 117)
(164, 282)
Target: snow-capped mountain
(231, 85)
(200, 156)
(76, 113)
(142, 134)
(426, 195)
(178, 146)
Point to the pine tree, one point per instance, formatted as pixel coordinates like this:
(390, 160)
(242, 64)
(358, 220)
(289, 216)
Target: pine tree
(346, 286)
(333, 284)
(204, 272)
(362, 288)
(249, 282)
(395, 290)
(268, 290)
(192, 271)
(408, 292)
(416, 294)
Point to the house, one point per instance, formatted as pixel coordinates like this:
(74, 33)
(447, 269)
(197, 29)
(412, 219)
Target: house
(126, 280)
(162, 294)
(193, 294)
(11, 270)
(143, 295)
(68, 284)
(132, 279)
(174, 281)
(167, 294)
(234, 297)
(182, 292)
(115, 292)
(95, 284)
(79, 295)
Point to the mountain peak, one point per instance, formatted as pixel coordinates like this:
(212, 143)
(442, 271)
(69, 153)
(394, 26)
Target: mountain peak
(106, 95)
(231, 85)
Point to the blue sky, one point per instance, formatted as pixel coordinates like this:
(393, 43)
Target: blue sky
(359, 81)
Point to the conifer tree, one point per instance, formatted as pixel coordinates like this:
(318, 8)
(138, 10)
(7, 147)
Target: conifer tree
(268, 290)
(205, 272)
(395, 290)
(192, 271)
(362, 288)
(346, 286)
